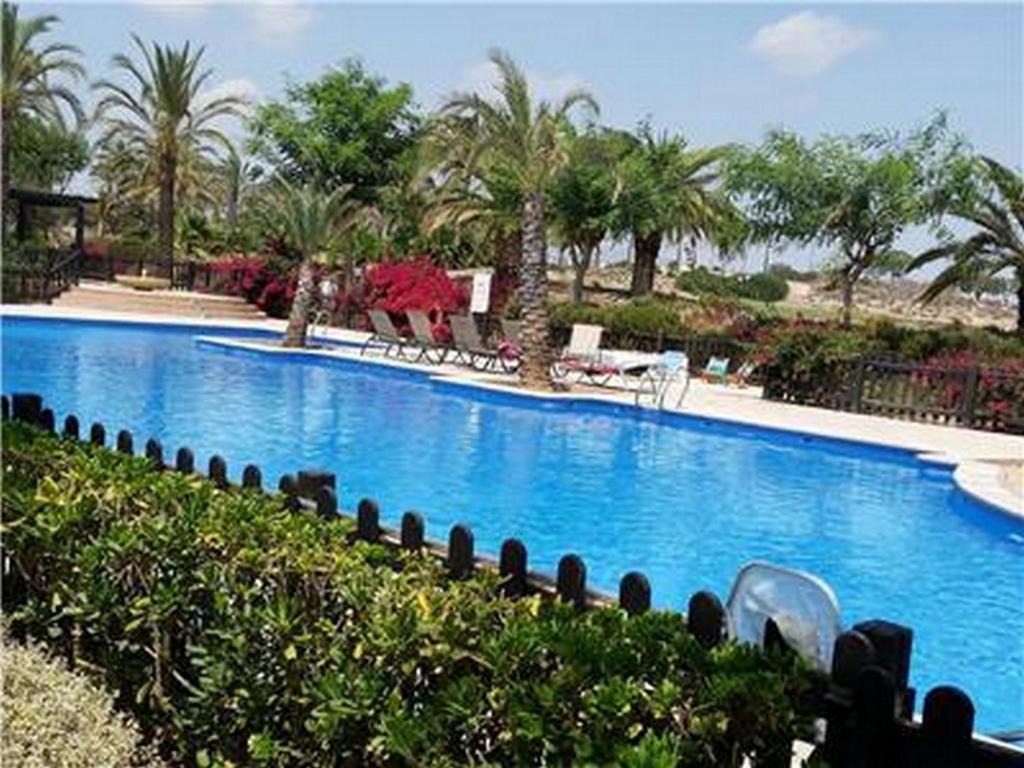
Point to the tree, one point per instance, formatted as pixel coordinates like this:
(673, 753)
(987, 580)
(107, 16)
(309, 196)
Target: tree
(310, 222)
(32, 87)
(520, 142)
(665, 191)
(345, 129)
(583, 200)
(160, 115)
(44, 156)
(993, 201)
(855, 195)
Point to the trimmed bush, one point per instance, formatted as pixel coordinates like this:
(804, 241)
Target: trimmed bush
(644, 317)
(56, 718)
(244, 632)
(767, 287)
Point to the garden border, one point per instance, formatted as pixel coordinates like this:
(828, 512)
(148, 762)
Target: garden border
(868, 706)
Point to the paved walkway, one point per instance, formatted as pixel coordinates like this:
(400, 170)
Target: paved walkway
(988, 465)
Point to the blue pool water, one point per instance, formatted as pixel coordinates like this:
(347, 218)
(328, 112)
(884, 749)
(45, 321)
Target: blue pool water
(685, 501)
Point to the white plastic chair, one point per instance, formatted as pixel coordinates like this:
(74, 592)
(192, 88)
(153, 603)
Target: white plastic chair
(803, 607)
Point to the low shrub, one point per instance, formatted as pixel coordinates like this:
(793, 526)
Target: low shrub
(249, 634)
(267, 282)
(765, 286)
(56, 718)
(643, 317)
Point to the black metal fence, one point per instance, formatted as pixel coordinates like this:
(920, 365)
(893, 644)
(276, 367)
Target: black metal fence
(986, 398)
(40, 274)
(867, 704)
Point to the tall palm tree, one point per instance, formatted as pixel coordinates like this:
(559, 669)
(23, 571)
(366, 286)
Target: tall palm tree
(310, 222)
(666, 191)
(995, 206)
(161, 114)
(519, 141)
(32, 74)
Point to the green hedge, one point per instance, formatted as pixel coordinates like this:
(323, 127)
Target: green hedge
(766, 287)
(642, 317)
(242, 632)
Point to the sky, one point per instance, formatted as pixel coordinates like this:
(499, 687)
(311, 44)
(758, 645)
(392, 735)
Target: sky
(715, 72)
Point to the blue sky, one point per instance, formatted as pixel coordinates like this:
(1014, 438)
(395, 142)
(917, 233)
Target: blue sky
(715, 72)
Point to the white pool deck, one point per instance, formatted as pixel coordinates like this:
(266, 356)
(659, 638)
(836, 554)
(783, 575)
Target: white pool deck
(987, 464)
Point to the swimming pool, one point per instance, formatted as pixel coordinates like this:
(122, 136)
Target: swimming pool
(686, 501)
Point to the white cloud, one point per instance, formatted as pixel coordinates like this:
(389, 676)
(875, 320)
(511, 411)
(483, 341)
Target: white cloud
(240, 87)
(808, 43)
(482, 78)
(282, 18)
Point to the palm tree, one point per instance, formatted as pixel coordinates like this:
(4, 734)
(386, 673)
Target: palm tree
(160, 115)
(995, 205)
(30, 72)
(310, 222)
(513, 144)
(666, 191)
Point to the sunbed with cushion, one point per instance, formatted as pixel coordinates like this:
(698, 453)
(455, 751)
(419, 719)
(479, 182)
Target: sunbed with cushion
(469, 348)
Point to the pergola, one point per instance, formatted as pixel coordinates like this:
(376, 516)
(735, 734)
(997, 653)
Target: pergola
(26, 199)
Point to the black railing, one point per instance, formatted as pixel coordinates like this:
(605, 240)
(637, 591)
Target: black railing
(982, 397)
(40, 274)
(185, 274)
(867, 703)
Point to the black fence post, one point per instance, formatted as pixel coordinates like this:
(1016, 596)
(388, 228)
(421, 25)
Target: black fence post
(460, 552)
(512, 567)
(857, 389)
(71, 427)
(412, 531)
(874, 721)
(124, 442)
(309, 481)
(5, 408)
(368, 520)
(970, 397)
(288, 486)
(705, 618)
(155, 453)
(217, 471)
(97, 435)
(947, 726)
(571, 580)
(893, 644)
(26, 407)
(46, 420)
(185, 461)
(252, 478)
(635, 593)
(326, 503)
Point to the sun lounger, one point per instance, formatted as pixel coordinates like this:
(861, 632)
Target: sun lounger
(424, 335)
(469, 348)
(741, 377)
(384, 334)
(586, 361)
(716, 371)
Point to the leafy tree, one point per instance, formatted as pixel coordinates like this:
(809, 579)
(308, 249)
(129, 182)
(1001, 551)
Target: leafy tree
(665, 191)
(994, 202)
(45, 156)
(346, 129)
(310, 222)
(856, 195)
(583, 201)
(33, 85)
(159, 116)
(516, 145)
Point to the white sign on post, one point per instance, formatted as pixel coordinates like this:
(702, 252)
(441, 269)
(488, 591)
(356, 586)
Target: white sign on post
(480, 302)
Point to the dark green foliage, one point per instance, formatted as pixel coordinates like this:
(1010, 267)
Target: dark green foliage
(237, 631)
(764, 286)
(347, 128)
(643, 317)
(45, 157)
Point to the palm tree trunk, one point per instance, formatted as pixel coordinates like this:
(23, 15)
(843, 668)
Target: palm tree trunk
(535, 362)
(645, 262)
(1020, 301)
(5, 142)
(298, 318)
(165, 215)
(581, 260)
